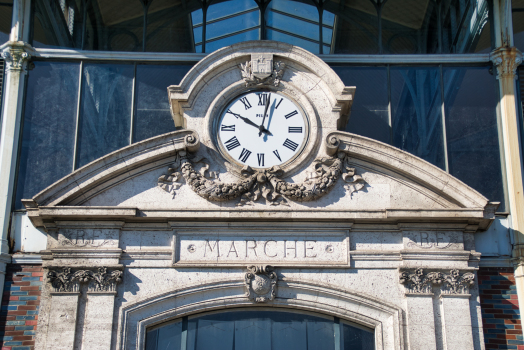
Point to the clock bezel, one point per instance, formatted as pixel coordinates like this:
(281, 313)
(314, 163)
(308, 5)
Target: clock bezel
(220, 115)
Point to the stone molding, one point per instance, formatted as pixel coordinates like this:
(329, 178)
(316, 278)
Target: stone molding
(506, 60)
(262, 183)
(68, 280)
(417, 282)
(261, 283)
(16, 56)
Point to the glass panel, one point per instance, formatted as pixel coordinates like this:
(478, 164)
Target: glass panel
(105, 111)
(115, 25)
(416, 112)
(49, 127)
(471, 130)
(518, 23)
(357, 338)
(410, 27)
(6, 11)
(169, 26)
(369, 113)
(465, 26)
(228, 22)
(356, 28)
(152, 114)
(58, 23)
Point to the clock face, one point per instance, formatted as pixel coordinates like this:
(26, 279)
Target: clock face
(262, 142)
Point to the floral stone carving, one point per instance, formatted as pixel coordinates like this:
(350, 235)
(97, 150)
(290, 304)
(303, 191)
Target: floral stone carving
(100, 280)
(453, 283)
(261, 283)
(263, 183)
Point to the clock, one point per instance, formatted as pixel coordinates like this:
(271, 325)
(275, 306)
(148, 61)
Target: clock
(262, 129)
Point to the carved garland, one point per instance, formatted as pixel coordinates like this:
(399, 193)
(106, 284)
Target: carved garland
(264, 183)
(99, 281)
(453, 283)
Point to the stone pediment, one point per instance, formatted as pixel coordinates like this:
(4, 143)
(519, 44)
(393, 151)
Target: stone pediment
(189, 174)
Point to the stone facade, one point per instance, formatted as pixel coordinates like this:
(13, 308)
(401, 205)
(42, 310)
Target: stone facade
(172, 226)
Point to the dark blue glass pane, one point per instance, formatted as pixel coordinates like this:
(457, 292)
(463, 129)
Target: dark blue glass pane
(226, 8)
(357, 338)
(369, 114)
(215, 45)
(279, 16)
(6, 11)
(471, 129)
(105, 117)
(416, 112)
(49, 127)
(518, 23)
(152, 114)
(227, 26)
(305, 44)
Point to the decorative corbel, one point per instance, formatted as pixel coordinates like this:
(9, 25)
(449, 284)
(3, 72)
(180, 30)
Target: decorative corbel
(506, 60)
(15, 55)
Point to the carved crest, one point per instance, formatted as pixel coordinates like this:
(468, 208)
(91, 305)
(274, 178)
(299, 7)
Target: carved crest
(261, 283)
(262, 71)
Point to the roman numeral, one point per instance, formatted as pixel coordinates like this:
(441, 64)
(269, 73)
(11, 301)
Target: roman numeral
(260, 157)
(232, 143)
(244, 155)
(297, 129)
(279, 102)
(228, 128)
(291, 114)
(262, 98)
(246, 103)
(277, 155)
(290, 144)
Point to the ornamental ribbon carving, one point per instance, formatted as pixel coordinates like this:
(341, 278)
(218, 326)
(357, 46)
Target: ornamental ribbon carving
(264, 183)
(100, 280)
(261, 283)
(417, 282)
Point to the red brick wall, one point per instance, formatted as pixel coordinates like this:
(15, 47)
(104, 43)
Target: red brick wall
(500, 308)
(19, 313)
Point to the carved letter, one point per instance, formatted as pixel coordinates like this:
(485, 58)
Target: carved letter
(424, 237)
(293, 248)
(211, 248)
(232, 249)
(306, 248)
(265, 249)
(254, 247)
(439, 238)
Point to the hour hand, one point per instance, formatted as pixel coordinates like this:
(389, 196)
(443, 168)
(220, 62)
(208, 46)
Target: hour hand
(246, 120)
(264, 131)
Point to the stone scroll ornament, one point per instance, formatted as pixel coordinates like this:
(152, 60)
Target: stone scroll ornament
(262, 183)
(418, 282)
(261, 283)
(101, 280)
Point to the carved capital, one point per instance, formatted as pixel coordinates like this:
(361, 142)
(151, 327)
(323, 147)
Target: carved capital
(100, 280)
(506, 60)
(418, 282)
(16, 56)
(261, 283)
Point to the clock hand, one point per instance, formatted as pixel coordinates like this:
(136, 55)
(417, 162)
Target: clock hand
(261, 127)
(246, 120)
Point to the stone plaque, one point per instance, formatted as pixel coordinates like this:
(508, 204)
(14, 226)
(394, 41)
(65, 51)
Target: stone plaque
(277, 249)
(433, 240)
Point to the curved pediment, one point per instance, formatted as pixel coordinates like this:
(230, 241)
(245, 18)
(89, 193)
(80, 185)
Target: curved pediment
(396, 186)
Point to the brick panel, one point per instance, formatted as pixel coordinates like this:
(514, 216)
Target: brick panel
(500, 309)
(20, 302)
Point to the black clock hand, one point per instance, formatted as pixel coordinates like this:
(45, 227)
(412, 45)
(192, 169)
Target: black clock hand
(246, 120)
(261, 127)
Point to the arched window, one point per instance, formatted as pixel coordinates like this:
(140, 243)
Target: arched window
(260, 329)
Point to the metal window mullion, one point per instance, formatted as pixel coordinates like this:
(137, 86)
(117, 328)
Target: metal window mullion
(132, 123)
(78, 105)
(84, 23)
(443, 117)
(390, 116)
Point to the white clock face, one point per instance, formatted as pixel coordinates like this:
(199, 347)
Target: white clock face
(258, 141)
